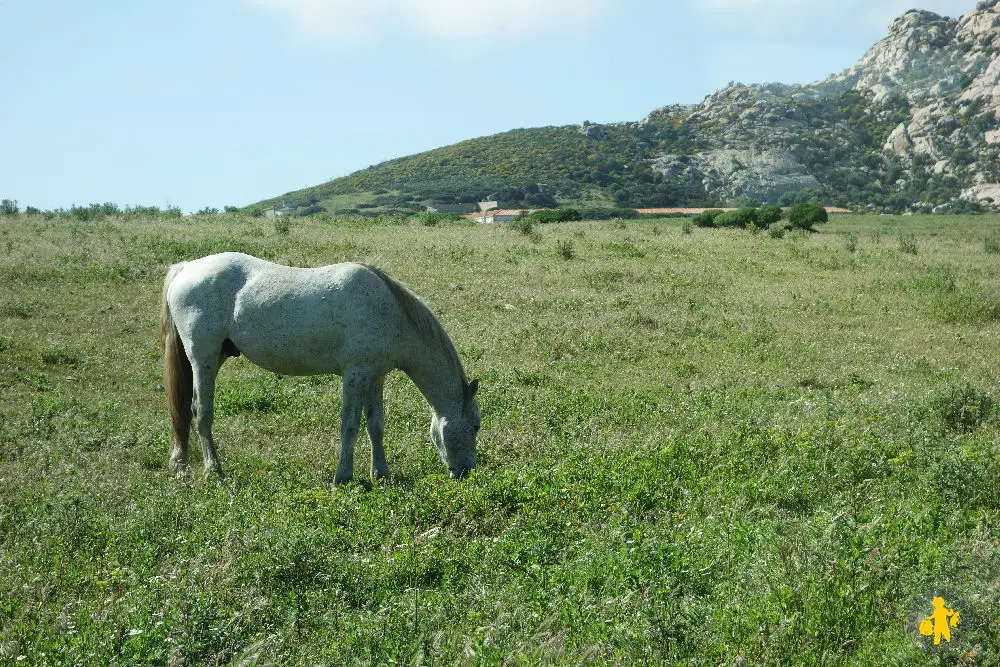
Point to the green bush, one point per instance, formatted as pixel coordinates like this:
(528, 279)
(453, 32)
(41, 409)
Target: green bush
(805, 215)
(769, 214)
(8, 207)
(908, 244)
(776, 231)
(607, 213)
(546, 215)
(707, 218)
(738, 218)
(687, 226)
(565, 249)
(429, 218)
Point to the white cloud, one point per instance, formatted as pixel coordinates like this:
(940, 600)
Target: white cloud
(853, 15)
(442, 19)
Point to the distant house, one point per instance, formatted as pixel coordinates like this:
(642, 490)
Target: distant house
(286, 208)
(461, 209)
(495, 216)
(487, 205)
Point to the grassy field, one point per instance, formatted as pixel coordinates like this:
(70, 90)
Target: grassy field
(714, 448)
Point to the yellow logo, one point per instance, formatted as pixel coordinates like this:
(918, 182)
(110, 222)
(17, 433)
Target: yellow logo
(940, 622)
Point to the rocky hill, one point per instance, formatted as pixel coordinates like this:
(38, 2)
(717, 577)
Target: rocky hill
(912, 126)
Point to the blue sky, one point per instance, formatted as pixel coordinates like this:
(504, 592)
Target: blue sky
(199, 103)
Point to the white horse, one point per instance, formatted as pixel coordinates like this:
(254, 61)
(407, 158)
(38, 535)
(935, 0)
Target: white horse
(348, 319)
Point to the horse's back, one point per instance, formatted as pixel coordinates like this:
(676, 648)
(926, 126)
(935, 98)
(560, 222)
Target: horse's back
(292, 320)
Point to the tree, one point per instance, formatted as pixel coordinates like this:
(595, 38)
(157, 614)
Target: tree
(9, 207)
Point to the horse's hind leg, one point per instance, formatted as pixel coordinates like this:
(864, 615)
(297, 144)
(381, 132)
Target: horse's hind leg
(356, 383)
(375, 422)
(205, 369)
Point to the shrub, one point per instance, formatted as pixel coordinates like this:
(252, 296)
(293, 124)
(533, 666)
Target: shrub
(607, 213)
(255, 211)
(8, 207)
(565, 249)
(430, 219)
(805, 215)
(851, 242)
(208, 210)
(738, 218)
(707, 218)
(281, 224)
(687, 226)
(547, 215)
(776, 231)
(769, 214)
(908, 244)
(524, 224)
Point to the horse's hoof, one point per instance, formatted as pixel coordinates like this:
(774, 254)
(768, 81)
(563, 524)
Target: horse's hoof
(180, 470)
(340, 480)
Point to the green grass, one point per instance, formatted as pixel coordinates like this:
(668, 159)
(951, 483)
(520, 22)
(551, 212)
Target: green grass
(708, 447)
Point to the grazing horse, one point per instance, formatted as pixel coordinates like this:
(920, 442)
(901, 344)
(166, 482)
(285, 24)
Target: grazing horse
(349, 319)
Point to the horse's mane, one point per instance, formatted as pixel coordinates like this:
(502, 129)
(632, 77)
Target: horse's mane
(422, 318)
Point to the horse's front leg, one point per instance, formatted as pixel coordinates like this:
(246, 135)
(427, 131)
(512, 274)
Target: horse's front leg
(375, 423)
(356, 384)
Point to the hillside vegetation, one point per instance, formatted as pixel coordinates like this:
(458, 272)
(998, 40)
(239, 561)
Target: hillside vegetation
(699, 446)
(912, 126)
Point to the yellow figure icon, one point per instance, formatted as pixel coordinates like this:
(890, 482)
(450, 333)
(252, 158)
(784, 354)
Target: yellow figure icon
(938, 622)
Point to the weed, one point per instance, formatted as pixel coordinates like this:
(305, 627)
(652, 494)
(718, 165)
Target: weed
(565, 249)
(776, 230)
(961, 407)
(850, 242)
(23, 309)
(281, 224)
(523, 224)
(908, 244)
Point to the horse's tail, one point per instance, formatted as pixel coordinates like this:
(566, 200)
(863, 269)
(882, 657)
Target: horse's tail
(177, 375)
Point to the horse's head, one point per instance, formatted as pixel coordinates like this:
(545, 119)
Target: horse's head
(454, 435)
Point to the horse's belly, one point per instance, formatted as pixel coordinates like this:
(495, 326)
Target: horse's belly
(292, 366)
(288, 354)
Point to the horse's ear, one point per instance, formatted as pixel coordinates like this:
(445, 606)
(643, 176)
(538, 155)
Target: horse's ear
(470, 393)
